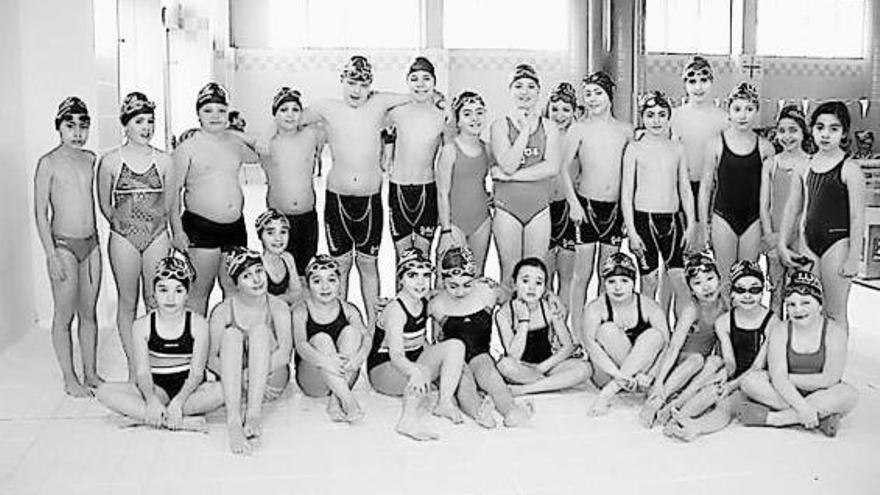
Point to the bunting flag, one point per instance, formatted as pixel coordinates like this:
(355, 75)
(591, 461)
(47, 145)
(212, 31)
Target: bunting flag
(805, 105)
(780, 104)
(865, 104)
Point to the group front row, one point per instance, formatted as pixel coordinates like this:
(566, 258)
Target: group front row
(723, 361)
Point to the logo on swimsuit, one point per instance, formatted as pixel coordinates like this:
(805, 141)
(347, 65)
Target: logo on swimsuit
(530, 152)
(426, 230)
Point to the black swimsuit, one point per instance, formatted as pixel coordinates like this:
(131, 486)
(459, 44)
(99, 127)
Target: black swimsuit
(641, 324)
(413, 337)
(333, 329)
(474, 330)
(746, 343)
(827, 218)
(170, 358)
(278, 288)
(738, 187)
(537, 348)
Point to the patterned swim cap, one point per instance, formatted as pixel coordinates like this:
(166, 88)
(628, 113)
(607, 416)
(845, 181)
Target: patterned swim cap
(358, 69)
(698, 263)
(458, 261)
(745, 268)
(322, 262)
(463, 99)
(173, 267)
(412, 259)
(134, 104)
(619, 264)
(211, 93)
(72, 105)
(603, 80)
(697, 67)
(422, 64)
(239, 259)
(525, 71)
(744, 91)
(267, 216)
(564, 91)
(804, 282)
(654, 99)
(285, 95)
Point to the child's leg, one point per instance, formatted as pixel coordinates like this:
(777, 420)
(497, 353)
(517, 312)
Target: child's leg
(339, 385)
(680, 291)
(717, 419)
(711, 371)
(368, 270)
(517, 372)
(650, 282)
(207, 397)
(724, 245)
(156, 251)
(125, 263)
(565, 265)
(838, 399)
(259, 351)
(749, 247)
(488, 379)
(470, 402)
(231, 363)
(87, 322)
(536, 236)
(568, 373)
(479, 244)
(836, 287)
(345, 261)
(699, 402)
(124, 398)
(757, 387)
(64, 295)
(583, 271)
(776, 277)
(445, 361)
(618, 348)
(508, 241)
(643, 353)
(206, 263)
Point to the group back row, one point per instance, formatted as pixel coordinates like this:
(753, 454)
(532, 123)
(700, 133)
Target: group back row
(565, 192)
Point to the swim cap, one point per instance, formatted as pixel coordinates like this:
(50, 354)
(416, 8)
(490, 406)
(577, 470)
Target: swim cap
(412, 259)
(422, 64)
(321, 262)
(239, 259)
(285, 95)
(358, 69)
(654, 99)
(463, 99)
(458, 261)
(744, 91)
(267, 216)
(71, 105)
(804, 282)
(173, 267)
(603, 80)
(745, 268)
(698, 66)
(619, 264)
(134, 104)
(698, 263)
(211, 93)
(564, 91)
(524, 71)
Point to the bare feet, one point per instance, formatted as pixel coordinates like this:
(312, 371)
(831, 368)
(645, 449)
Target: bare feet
(415, 430)
(253, 428)
(76, 389)
(829, 425)
(599, 407)
(685, 430)
(450, 412)
(519, 415)
(649, 410)
(665, 413)
(93, 382)
(334, 409)
(485, 413)
(195, 424)
(517, 390)
(238, 443)
(354, 414)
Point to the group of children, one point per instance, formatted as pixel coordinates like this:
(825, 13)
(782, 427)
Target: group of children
(565, 193)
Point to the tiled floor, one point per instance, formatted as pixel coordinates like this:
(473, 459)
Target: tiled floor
(52, 444)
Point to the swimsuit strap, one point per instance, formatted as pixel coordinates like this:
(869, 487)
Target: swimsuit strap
(543, 313)
(765, 321)
(609, 310)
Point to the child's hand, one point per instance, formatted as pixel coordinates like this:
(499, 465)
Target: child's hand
(499, 174)
(850, 267)
(520, 311)
(155, 414)
(174, 415)
(808, 416)
(636, 244)
(56, 268)
(577, 214)
(180, 241)
(643, 380)
(418, 381)
(333, 363)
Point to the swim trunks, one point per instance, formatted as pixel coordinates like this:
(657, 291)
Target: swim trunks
(303, 242)
(662, 234)
(413, 210)
(208, 234)
(353, 223)
(603, 223)
(562, 229)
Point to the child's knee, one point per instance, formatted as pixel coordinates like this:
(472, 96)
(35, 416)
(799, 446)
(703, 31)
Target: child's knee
(714, 363)
(694, 361)
(453, 348)
(752, 382)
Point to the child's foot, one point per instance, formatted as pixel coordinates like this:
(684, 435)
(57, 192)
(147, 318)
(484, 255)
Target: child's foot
(353, 412)
(195, 424)
(829, 425)
(253, 428)
(684, 431)
(334, 410)
(649, 411)
(599, 407)
(238, 442)
(449, 411)
(665, 414)
(76, 389)
(93, 382)
(752, 414)
(516, 390)
(415, 430)
(519, 415)
(486, 413)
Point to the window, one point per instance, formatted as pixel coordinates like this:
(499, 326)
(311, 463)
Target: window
(506, 24)
(689, 26)
(811, 28)
(344, 23)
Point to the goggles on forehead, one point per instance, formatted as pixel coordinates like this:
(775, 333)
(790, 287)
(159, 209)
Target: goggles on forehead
(174, 268)
(321, 262)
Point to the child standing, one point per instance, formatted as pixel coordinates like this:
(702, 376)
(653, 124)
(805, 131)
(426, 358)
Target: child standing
(794, 137)
(65, 215)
